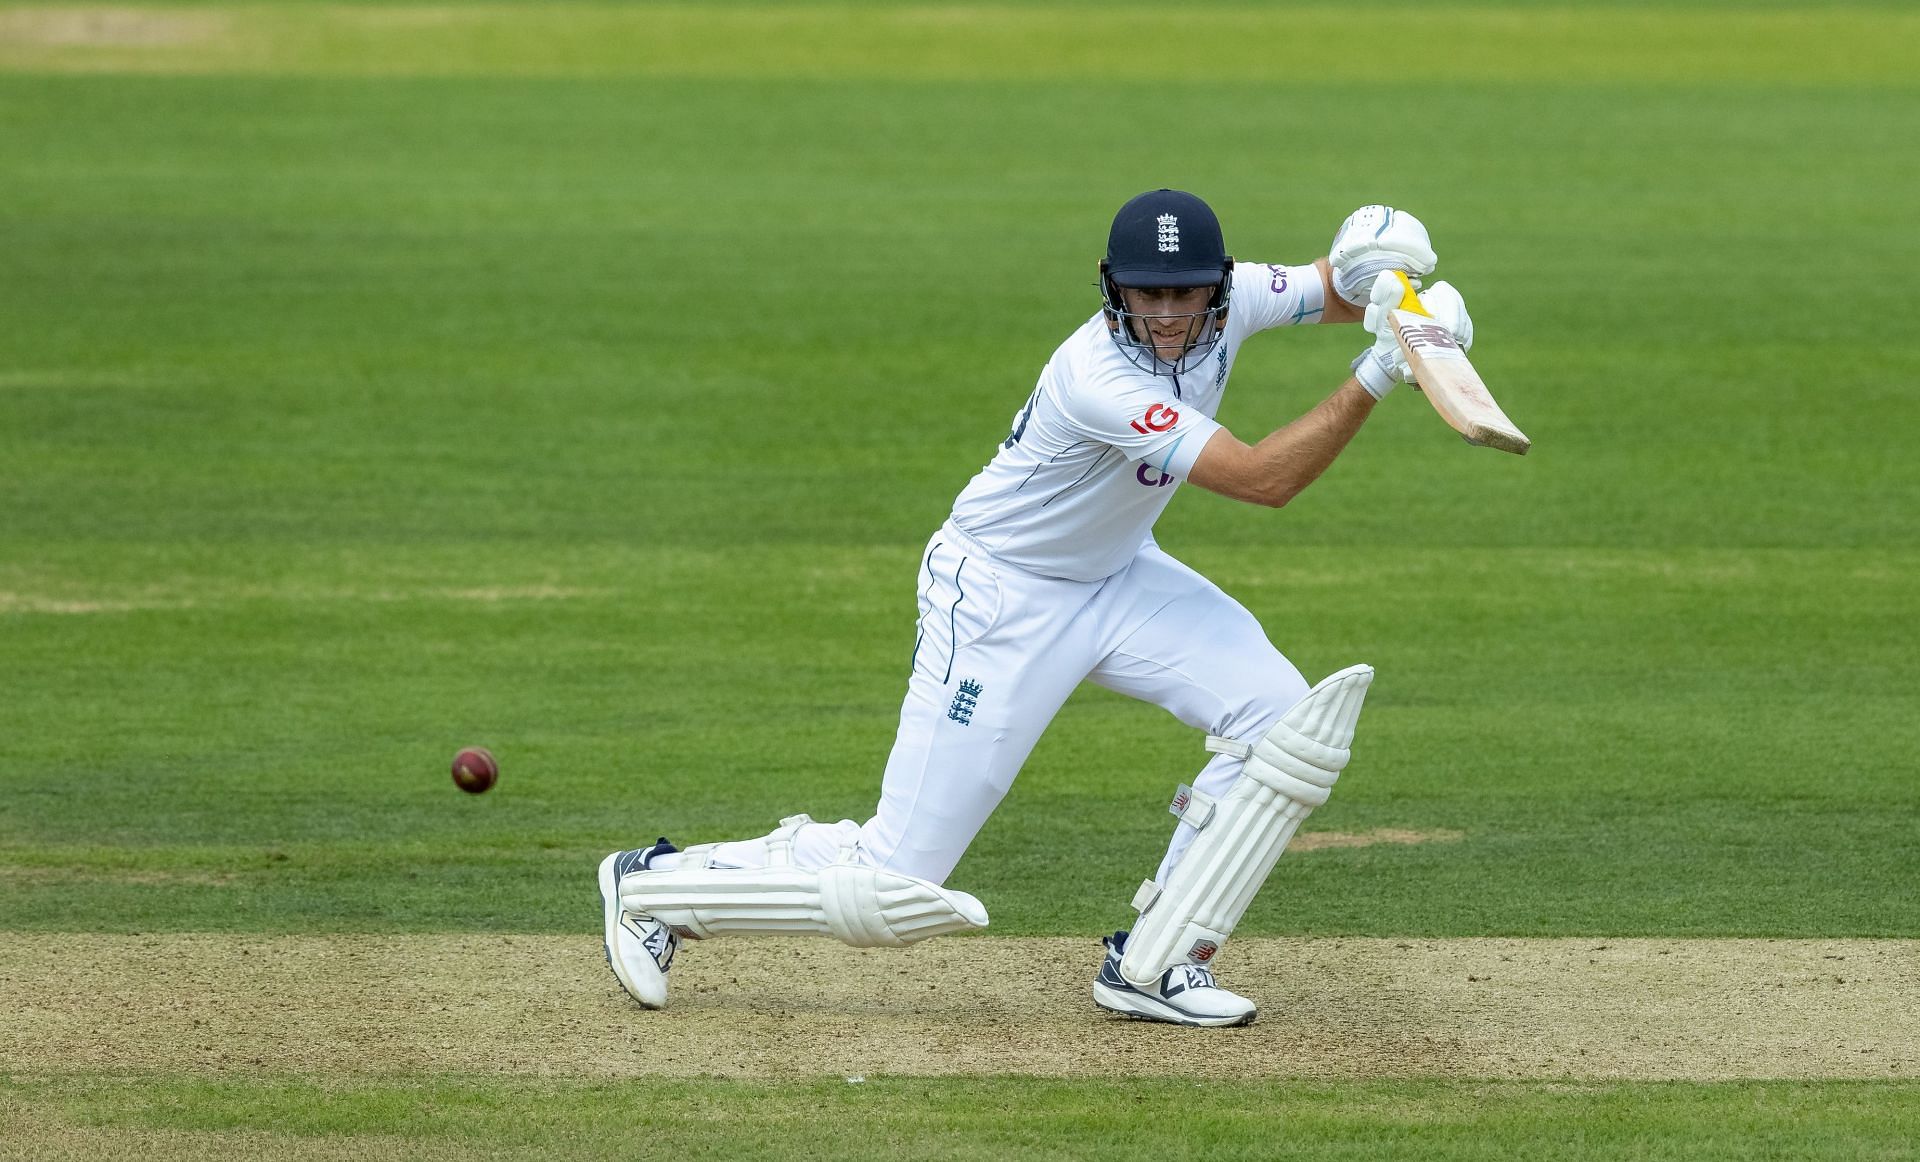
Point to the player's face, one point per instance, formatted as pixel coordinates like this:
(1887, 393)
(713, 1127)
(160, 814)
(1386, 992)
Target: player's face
(1174, 318)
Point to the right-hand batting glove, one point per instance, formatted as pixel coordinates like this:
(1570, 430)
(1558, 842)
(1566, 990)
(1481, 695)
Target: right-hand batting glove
(1375, 239)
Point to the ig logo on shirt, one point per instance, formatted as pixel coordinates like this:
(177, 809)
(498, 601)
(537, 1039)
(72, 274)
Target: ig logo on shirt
(1159, 418)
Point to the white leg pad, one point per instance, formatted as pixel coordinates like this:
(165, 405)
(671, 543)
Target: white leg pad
(862, 906)
(1289, 771)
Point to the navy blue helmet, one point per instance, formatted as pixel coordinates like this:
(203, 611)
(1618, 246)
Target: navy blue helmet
(1166, 239)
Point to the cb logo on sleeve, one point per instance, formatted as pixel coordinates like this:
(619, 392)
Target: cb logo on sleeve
(1159, 418)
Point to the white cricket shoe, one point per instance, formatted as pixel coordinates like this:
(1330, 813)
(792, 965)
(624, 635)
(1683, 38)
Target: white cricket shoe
(1186, 994)
(639, 948)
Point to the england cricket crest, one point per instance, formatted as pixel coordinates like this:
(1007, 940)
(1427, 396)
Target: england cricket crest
(1169, 234)
(965, 702)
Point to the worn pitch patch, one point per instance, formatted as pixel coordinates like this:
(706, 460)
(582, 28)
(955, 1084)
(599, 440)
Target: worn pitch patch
(109, 26)
(1855, 44)
(768, 1008)
(151, 598)
(1325, 840)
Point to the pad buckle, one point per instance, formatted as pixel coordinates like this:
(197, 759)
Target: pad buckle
(1191, 807)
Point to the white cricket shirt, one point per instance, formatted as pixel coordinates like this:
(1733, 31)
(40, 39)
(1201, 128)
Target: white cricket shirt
(1098, 449)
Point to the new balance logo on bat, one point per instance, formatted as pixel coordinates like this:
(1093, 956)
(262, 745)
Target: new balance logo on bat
(1431, 340)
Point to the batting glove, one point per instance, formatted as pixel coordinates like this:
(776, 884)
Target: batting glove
(1375, 239)
(1382, 367)
(1449, 310)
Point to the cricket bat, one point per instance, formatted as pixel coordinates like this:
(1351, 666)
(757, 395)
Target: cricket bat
(1448, 380)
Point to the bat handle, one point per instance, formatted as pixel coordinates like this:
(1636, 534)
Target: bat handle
(1409, 301)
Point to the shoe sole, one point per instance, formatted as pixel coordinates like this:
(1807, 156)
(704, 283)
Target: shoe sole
(611, 912)
(1144, 1008)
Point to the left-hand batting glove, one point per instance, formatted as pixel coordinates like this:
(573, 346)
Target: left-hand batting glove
(1375, 239)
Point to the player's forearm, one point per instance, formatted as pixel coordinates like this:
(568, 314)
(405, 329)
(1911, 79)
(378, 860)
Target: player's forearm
(1275, 470)
(1294, 456)
(1337, 309)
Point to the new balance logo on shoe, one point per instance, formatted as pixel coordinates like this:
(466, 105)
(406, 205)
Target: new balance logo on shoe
(1182, 977)
(1186, 994)
(658, 944)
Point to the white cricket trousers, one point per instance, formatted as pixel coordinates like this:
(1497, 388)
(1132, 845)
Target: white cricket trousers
(998, 652)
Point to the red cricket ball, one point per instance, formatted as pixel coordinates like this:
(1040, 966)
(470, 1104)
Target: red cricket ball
(475, 770)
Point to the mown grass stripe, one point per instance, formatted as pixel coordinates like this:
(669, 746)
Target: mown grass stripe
(949, 42)
(162, 1116)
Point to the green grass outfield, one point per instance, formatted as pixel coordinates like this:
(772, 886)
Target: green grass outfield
(584, 380)
(967, 1119)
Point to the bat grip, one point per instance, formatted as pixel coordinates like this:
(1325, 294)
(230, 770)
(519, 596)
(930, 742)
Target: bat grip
(1409, 301)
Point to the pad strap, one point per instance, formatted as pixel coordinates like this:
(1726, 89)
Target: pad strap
(1230, 746)
(776, 847)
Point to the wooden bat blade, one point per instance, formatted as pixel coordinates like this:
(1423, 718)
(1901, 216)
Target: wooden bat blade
(1450, 383)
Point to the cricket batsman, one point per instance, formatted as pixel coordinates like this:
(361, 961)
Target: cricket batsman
(1046, 575)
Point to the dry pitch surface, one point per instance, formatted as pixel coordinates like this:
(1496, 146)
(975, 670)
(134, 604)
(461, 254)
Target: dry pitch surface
(545, 1005)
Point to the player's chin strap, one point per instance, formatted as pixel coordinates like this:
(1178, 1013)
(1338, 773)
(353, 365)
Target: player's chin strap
(1289, 771)
(855, 904)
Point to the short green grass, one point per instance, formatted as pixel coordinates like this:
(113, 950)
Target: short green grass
(347, 421)
(271, 746)
(582, 381)
(985, 1118)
